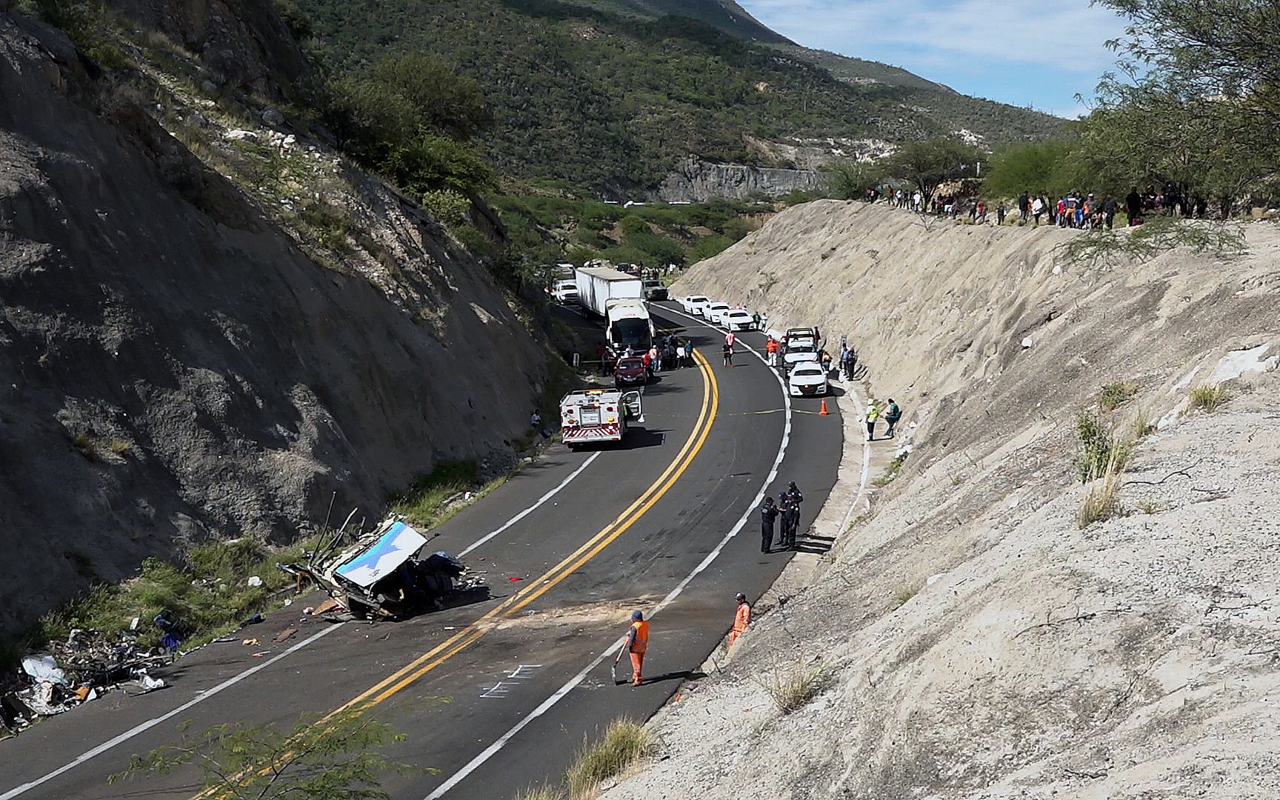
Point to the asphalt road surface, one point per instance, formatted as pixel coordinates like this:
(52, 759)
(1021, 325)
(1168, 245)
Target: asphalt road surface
(496, 695)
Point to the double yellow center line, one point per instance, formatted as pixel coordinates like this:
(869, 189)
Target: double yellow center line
(463, 639)
(425, 663)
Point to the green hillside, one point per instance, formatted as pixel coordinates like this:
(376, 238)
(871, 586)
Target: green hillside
(607, 95)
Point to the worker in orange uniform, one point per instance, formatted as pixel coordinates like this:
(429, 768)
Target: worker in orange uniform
(637, 643)
(741, 619)
(771, 347)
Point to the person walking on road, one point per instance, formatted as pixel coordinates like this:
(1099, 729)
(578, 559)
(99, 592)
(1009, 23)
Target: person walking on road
(741, 618)
(771, 347)
(768, 515)
(891, 415)
(872, 413)
(637, 644)
(728, 354)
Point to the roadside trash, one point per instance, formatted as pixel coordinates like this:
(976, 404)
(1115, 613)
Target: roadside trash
(326, 606)
(260, 655)
(285, 635)
(288, 601)
(254, 581)
(254, 620)
(82, 693)
(133, 623)
(44, 669)
(308, 610)
(514, 578)
(249, 642)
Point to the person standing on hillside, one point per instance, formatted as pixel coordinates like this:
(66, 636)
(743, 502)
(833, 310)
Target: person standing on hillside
(872, 413)
(891, 416)
(637, 645)
(1024, 205)
(741, 618)
(768, 515)
(1133, 206)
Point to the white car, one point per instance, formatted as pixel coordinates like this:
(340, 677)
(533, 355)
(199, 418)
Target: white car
(694, 304)
(737, 320)
(800, 352)
(565, 292)
(807, 379)
(713, 311)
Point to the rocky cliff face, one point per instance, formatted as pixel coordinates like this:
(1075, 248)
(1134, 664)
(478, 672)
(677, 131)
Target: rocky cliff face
(173, 365)
(695, 181)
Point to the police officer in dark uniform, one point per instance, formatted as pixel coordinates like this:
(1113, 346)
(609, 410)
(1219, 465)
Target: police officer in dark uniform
(768, 513)
(791, 500)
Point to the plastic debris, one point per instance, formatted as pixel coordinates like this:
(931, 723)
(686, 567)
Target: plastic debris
(254, 581)
(44, 669)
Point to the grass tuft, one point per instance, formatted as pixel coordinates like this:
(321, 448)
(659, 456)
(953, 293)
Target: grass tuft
(903, 594)
(1142, 427)
(1099, 447)
(624, 743)
(121, 447)
(792, 691)
(424, 504)
(540, 793)
(1101, 499)
(1208, 397)
(892, 471)
(1114, 395)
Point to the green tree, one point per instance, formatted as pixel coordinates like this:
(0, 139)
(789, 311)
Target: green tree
(1044, 168)
(1196, 101)
(928, 163)
(335, 758)
(849, 179)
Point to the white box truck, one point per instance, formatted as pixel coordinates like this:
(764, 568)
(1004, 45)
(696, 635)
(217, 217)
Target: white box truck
(598, 285)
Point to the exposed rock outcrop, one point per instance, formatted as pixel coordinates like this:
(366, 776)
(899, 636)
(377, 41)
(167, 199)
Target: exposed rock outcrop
(172, 365)
(696, 181)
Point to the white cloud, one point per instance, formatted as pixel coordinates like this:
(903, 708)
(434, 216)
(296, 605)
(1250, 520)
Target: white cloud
(1028, 51)
(1045, 33)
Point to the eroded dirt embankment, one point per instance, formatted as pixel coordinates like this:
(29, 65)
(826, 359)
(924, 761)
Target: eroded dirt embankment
(979, 643)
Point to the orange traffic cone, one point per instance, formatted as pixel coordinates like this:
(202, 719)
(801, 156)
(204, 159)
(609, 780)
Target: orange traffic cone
(822, 412)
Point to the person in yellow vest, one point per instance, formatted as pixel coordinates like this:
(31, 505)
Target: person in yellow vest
(741, 619)
(872, 414)
(637, 644)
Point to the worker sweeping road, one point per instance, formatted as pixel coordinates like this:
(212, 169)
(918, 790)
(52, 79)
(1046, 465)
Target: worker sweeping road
(637, 644)
(741, 619)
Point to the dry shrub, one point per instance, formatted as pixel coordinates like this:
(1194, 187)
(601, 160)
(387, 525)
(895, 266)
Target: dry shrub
(1101, 498)
(540, 793)
(624, 743)
(793, 690)
(1208, 397)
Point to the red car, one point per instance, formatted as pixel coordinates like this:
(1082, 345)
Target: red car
(630, 372)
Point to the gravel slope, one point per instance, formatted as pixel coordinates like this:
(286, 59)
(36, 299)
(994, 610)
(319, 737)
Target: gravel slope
(977, 642)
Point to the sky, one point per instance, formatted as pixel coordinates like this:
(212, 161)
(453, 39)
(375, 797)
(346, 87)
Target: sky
(1038, 53)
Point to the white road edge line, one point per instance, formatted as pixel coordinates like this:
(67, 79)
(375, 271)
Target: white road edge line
(530, 509)
(573, 682)
(142, 727)
(132, 732)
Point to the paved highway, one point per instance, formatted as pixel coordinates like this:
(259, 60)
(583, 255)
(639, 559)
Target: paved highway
(497, 695)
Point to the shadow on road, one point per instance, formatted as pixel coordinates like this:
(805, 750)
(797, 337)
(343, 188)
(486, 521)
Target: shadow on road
(687, 674)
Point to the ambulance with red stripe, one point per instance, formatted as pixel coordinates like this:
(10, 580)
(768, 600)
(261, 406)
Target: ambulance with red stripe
(598, 415)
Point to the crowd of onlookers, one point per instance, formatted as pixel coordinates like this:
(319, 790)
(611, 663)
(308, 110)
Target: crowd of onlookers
(1075, 209)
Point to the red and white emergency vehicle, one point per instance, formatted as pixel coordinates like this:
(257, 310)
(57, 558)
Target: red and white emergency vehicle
(598, 415)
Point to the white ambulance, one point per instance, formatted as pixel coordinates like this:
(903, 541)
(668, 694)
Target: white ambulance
(598, 415)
